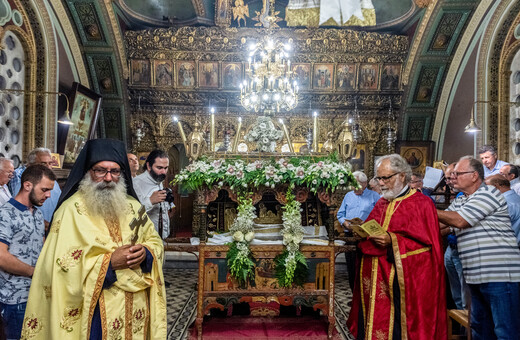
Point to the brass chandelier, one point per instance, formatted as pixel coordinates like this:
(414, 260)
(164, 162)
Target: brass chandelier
(269, 86)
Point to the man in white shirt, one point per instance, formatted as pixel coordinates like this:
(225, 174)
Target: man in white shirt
(6, 173)
(488, 156)
(150, 191)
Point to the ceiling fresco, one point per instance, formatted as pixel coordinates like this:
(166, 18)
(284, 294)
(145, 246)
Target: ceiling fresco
(385, 15)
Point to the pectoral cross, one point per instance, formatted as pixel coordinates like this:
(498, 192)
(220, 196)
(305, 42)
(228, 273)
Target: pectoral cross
(137, 223)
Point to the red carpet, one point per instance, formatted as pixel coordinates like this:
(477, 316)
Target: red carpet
(259, 328)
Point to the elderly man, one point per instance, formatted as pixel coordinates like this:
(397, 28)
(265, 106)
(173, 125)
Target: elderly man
(488, 156)
(6, 173)
(356, 204)
(458, 287)
(39, 156)
(150, 191)
(134, 164)
(488, 251)
(416, 182)
(21, 240)
(510, 172)
(99, 275)
(401, 291)
(512, 200)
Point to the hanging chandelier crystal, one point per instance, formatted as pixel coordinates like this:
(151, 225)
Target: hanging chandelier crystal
(269, 86)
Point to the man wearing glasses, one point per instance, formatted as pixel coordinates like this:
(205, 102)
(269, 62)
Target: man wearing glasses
(488, 251)
(99, 274)
(403, 267)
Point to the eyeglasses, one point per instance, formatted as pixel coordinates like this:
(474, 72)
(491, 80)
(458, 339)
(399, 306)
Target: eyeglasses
(458, 173)
(100, 173)
(385, 179)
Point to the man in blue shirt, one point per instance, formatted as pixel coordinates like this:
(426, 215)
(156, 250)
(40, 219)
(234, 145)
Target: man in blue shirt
(21, 240)
(488, 156)
(357, 203)
(38, 156)
(512, 200)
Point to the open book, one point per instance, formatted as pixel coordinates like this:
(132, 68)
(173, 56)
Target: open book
(370, 228)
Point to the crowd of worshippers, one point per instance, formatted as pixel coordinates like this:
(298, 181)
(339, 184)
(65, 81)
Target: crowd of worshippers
(85, 261)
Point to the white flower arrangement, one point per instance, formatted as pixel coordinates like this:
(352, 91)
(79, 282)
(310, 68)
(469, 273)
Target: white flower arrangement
(240, 260)
(264, 134)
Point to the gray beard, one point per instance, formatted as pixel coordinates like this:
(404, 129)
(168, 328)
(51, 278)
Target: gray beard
(390, 194)
(104, 200)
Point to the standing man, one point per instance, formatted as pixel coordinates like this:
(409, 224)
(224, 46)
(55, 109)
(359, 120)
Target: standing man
(151, 193)
(6, 173)
(134, 164)
(489, 157)
(510, 172)
(39, 156)
(356, 204)
(488, 251)
(458, 287)
(401, 290)
(512, 200)
(21, 240)
(99, 275)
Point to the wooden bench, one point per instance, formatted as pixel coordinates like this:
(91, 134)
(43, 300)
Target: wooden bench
(461, 316)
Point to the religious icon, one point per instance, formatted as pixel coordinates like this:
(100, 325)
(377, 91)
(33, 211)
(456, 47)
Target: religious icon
(322, 76)
(302, 74)
(231, 75)
(368, 76)
(84, 112)
(208, 74)
(185, 74)
(140, 72)
(240, 12)
(346, 77)
(390, 77)
(163, 72)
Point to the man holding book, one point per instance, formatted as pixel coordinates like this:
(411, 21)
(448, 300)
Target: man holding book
(400, 293)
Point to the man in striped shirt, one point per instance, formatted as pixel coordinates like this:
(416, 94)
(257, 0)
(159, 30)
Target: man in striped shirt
(488, 251)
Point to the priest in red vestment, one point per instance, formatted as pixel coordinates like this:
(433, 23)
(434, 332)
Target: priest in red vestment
(400, 289)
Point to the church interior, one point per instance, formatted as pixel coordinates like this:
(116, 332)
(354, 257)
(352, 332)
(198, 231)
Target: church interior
(432, 80)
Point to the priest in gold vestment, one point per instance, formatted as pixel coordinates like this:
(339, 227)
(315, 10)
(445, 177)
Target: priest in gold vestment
(99, 275)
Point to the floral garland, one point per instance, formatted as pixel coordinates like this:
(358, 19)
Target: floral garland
(314, 173)
(291, 265)
(264, 134)
(239, 258)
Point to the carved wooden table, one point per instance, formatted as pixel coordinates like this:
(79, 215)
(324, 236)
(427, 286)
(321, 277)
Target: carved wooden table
(217, 289)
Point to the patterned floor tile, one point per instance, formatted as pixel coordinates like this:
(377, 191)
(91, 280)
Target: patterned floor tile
(181, 294)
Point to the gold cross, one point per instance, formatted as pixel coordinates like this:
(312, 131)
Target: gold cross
(138, 223)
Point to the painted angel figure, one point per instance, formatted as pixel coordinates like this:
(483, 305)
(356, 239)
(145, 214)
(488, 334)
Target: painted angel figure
(240, 11)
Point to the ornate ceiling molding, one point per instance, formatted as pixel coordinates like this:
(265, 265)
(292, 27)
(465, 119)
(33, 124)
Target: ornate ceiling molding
(118, 38)
(51, 84)
(454, 71)
(418, 41)
(74, 47)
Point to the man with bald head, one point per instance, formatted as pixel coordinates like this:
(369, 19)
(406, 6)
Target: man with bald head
(38, 156)
(488, 250)
(512, 200)
(6, 173)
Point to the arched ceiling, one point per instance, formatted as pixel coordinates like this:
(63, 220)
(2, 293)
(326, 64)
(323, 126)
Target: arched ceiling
(391, 16)
(433, 27)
